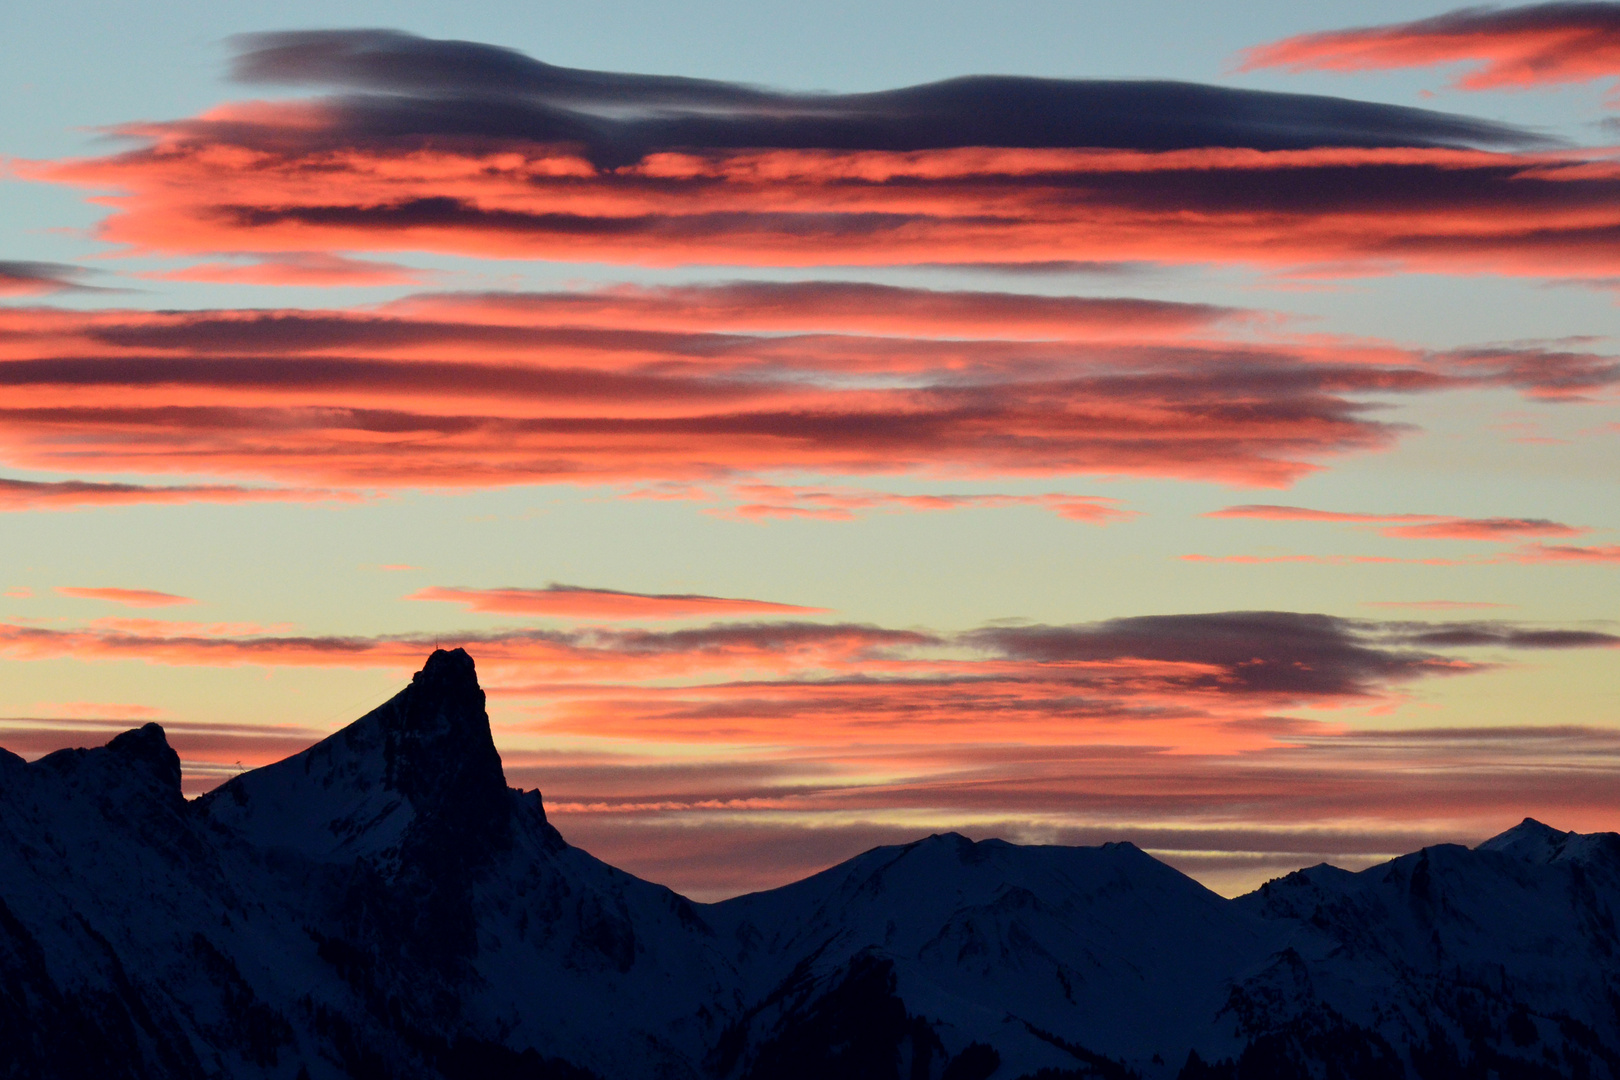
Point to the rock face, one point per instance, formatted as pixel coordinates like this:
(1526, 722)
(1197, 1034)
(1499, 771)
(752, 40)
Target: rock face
(383, 905)
(418, 776)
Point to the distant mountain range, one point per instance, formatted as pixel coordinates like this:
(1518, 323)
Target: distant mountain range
(382, 905)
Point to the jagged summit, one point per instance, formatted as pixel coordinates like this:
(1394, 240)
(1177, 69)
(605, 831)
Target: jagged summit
(449, 674)
(147, 748)
(136, 763)
(1534, 842)
(421, 769)
(437, 742)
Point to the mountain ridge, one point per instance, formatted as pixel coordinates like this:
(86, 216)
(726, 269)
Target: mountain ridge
(382, 904)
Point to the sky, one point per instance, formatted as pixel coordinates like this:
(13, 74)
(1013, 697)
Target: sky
(826, 425)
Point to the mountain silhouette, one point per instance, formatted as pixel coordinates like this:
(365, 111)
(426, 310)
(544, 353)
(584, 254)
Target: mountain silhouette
(383, 905)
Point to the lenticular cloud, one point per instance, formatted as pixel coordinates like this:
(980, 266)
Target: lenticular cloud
(396, 84)
(471, 149)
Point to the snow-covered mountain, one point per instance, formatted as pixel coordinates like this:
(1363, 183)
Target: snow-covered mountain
(383, 905)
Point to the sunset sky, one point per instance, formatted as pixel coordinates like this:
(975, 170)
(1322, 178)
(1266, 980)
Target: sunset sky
(829, 424)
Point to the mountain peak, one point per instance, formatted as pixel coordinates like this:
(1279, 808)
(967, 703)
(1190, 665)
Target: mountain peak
(148, 747)
(420, 770)
(1530, 840)
(437, 742)
(448, 667)
(137, 765)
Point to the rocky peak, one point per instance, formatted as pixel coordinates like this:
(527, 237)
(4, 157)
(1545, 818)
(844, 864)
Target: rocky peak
(147, 748)
(130, 787)
(436, 740)
(440, 755)
(139, 761)
(416, 778)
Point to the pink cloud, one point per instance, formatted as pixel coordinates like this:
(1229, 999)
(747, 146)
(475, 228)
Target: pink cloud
(1269, 512)
(213, 184)
(301, 268)
(323, 400)
(1563, 553)
(1413, 526)
(1494, 529)
(843, 307)
(573, 602)
(128, 597)
(783, 501)
(34, 495)
(1515, 48)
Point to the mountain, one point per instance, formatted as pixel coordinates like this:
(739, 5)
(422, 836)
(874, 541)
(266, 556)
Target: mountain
(1000, 944)
(384, 905)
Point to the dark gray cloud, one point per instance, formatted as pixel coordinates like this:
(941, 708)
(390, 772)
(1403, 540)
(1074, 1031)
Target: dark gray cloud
(25, 277)
(400, 85)
(1280, 651)
(1475, 635)
(1251, 651)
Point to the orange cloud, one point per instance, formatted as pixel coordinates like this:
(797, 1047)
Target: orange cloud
(1270, 512)
(1495, 529)
(1515, 48)
(843, 307)
(33, 495)
(573, 602)
(127, 597)
(494, 154)
(1338, 210)
(843, 504)
(526, 391)
(263, 394)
